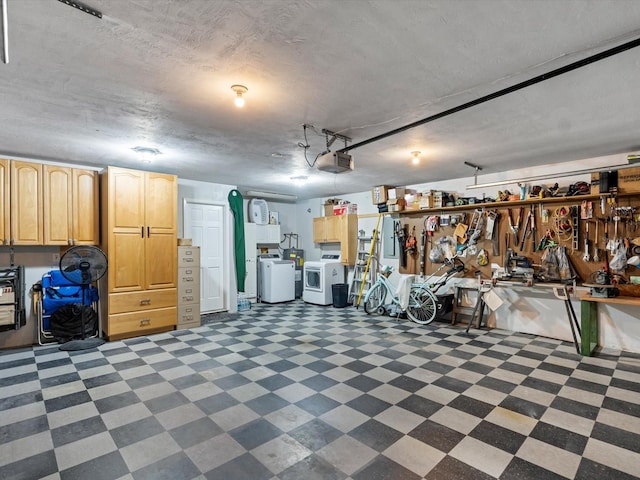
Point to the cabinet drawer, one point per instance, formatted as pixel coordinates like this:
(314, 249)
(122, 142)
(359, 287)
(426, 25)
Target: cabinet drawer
(124, 323)
(145, 300)
(188, 276)
(8, 316)
(187, 298)
(188, 256)
(189, 314)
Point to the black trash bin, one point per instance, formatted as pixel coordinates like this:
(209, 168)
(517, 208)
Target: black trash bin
(340, 293)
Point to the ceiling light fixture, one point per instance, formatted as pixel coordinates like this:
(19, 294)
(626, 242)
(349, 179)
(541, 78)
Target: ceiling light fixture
(416, 157)
(240, 90)
(300, 180)
(146, 154)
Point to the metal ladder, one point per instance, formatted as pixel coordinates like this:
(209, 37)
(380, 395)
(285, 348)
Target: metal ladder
(362, 272)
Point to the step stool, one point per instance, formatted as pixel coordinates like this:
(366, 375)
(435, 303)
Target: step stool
(461, 309)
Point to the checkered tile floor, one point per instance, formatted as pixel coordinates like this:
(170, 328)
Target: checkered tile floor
(298, 391)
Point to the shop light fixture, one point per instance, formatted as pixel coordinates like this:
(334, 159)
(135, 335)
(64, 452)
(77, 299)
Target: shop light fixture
(549, 176)
(285, 197)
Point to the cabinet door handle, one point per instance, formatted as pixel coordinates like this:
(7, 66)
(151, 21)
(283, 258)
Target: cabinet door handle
(145, 301)
(142, 231)
(145, 321)
(148, 231)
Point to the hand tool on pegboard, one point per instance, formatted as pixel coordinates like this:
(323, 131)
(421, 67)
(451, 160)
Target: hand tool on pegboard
(492, 231)
(514, 225)
(532, 214)
(575, 218)
(526, 232)
(586, 256)
(596, 254)
(401, 235)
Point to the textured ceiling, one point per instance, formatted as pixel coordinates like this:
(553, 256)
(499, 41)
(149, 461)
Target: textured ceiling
(158, 73)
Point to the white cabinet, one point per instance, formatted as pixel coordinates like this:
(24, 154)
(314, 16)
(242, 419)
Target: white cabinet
(250, 247)
(267, 234)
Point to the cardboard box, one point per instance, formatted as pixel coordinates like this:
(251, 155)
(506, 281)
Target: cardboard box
(628, 181)
(396, 204)
(437, 199)
(345, 208)
(329, 204)
(185, 242)
(380, 194)
(426, 201)
(400, 192)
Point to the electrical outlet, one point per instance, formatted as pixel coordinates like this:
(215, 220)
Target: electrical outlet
(56, 258)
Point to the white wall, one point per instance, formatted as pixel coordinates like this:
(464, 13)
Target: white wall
(527, 312)
(215, 194)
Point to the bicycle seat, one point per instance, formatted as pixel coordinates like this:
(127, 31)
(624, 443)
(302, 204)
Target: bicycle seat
(386, 270)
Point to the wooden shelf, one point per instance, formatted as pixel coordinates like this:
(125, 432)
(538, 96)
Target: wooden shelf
(508, 204)
(635, 301)
(500, 205)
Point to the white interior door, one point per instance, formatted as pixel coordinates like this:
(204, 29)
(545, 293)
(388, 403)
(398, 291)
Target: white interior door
(204, 223)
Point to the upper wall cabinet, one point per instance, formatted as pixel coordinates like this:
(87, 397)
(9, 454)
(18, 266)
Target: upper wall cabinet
(342, 229)
(70, 206)
(26, 203)
(47, 204)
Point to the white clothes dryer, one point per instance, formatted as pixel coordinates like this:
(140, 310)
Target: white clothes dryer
(319, 277)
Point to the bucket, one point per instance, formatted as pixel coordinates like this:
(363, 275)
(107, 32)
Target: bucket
(340, 293)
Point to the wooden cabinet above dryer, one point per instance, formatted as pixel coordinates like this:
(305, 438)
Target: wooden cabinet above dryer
(342, 229)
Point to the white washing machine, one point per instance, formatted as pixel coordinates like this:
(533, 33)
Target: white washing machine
(319, 277)
(277, 279)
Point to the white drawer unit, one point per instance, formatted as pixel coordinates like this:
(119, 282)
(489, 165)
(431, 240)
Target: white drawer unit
(188, 287)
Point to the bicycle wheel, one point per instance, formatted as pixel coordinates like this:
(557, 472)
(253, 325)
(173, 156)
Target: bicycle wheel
(422, 305)
(374, 299)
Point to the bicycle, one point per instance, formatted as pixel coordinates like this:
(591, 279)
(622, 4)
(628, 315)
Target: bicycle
(422, 303)
(427, 289)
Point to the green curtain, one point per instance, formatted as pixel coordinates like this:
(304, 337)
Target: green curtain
(235, 202)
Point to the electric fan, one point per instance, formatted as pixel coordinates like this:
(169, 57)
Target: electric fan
(83, 265)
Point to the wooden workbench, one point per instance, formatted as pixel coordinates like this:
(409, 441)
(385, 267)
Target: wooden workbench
(589, 318)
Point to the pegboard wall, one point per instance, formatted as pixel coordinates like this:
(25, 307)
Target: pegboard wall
(562, 220)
